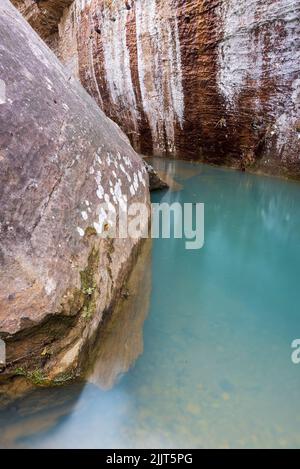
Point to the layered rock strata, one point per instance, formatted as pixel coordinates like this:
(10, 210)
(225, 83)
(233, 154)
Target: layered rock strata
(211, 80)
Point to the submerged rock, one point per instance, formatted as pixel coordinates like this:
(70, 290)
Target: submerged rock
(60, 157)
(216, 81)
(155, 180)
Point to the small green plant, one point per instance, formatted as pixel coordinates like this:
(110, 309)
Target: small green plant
(89, 286)
(87, 312)
(20, 371)
(36, 376)
(89, 291)
(63, 378)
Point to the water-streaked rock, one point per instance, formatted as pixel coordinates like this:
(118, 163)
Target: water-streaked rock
(211, 80)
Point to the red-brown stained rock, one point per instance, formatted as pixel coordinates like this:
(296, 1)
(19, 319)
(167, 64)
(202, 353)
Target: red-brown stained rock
(212, 80)
(203, 136)
(43, 15)
(142, 139)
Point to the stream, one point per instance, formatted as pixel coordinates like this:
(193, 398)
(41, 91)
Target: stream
(201, 358)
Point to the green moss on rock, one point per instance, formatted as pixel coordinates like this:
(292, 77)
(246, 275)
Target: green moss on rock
(89, 285)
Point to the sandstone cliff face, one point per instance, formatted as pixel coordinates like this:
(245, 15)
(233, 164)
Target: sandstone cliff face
(214, 80)
(60, 157)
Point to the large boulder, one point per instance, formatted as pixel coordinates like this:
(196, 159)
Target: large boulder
(60, 158)
(211, 80)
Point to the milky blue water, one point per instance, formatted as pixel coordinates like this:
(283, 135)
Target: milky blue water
(216, 367)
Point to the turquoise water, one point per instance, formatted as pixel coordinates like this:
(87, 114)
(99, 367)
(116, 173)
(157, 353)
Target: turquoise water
(216, 367)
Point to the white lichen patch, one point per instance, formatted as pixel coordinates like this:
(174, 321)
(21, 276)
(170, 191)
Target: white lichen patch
(49, 84)
(50, 286)
(124, 171)
(105, 216)
(80, 231)
(135, 182)
(295, 96)
(109, 159)
(142, 180)
(127, 161)
(98, 228)
(100, 192)
(119, 196)
(112, 191)
(98, 177)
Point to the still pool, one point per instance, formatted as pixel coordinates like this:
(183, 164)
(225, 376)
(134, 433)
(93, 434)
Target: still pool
(205, 360)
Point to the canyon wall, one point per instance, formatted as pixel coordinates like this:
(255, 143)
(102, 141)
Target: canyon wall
(213, 80)
(60, 159)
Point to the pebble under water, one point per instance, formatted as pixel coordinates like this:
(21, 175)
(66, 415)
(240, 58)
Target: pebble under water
(203, 359)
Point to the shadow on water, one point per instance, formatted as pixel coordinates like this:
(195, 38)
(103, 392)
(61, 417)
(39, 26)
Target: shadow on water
(37, 412)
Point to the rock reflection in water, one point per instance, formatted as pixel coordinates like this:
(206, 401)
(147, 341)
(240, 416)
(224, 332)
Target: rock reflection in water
(121, 338)
(173, 174)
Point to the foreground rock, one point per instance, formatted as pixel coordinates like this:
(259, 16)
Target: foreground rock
(60, 157)
(216, 81)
